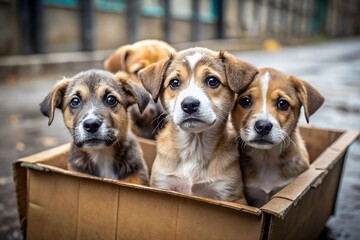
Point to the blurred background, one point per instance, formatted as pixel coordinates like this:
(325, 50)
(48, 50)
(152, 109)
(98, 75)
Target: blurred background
(43, 40)
(47, 26)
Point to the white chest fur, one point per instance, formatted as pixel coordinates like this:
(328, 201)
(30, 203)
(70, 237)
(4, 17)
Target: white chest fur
(197, 168)
(195, 153)
(191, 175)
(104, 159)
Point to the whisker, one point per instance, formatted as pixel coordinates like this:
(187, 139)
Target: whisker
(157, 118)
(224, 118)
(242, 143)
(160, 123)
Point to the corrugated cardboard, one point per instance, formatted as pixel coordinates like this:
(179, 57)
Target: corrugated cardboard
(55, 203)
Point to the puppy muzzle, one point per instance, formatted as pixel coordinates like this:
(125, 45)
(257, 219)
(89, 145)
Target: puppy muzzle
(193, 116)
(93, 133)
(263, 133)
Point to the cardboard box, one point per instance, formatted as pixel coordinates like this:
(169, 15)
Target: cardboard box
(55, 203)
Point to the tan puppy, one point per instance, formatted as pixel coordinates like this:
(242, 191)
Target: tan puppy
(272, 152)
(196, 151)
(131, 58)
(95, 106)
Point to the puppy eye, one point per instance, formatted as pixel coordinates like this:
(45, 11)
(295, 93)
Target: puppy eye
(212, 82)
(111, 101)
(75, 102)
(245, 102)
(136, 72)
(283, 105)
(174, 84)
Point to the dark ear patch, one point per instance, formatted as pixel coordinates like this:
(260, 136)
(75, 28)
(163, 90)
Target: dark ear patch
(153, 76)
(54, 99)
(239, 74)
(45, 106)
(309, 97)
(134, 92)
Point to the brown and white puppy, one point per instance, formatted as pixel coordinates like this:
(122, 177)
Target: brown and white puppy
(272, 152)
(131, 58)
(196, 151)
(95, 106)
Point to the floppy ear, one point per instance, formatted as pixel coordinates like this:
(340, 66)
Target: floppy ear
(117, 61)
(309, 97)
(153, 76)
(54, 99)
(239, 74)
(134, 92)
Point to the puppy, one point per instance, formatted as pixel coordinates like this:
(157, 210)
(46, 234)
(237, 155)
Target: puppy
(95, 106)
(272, 152)
(131, 59)
(196, 150)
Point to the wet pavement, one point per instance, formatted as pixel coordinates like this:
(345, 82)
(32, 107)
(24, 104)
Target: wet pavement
(333, 68)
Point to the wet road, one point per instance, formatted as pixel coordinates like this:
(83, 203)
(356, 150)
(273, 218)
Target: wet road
(333, 68)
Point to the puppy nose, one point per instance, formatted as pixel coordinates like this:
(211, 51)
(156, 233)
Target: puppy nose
(92, 125)
(263, 127)
(190, 105)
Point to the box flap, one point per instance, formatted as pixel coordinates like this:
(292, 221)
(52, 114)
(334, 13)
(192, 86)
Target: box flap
(296, 189)
(345, 140)
(281, 201)
(47, 154)
(327, 159)
(335, 151)
(277, 207)
(306, 219)
(311, 178)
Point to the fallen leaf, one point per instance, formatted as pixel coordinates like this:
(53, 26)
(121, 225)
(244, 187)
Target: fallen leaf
(20, 146)
(271, 45)
(49, 141)
(10, 79)
(14, 118)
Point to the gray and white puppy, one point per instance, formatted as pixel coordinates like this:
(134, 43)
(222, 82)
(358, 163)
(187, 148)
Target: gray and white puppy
(95, 107)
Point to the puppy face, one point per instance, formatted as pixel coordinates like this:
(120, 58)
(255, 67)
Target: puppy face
(197, 86)
(195, 91)
(267, 112)
(94, 106)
